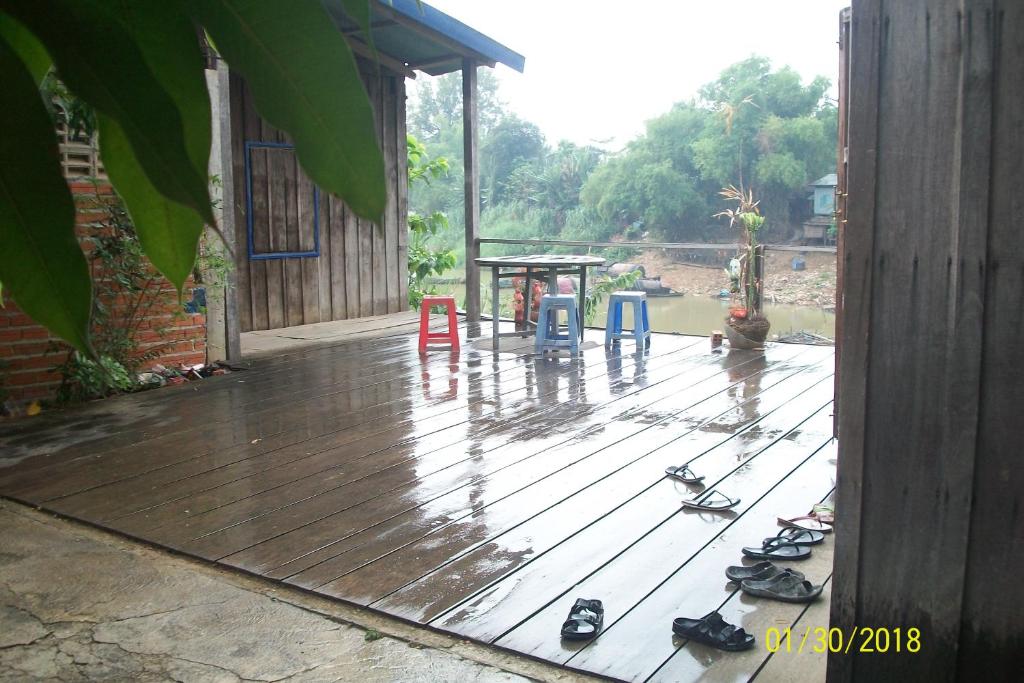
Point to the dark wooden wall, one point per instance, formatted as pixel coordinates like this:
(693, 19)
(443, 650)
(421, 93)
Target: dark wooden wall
(930, 508)
(362, 267)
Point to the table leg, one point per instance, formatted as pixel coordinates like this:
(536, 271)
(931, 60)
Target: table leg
(526, 301)
(583, 298)
(494, 305)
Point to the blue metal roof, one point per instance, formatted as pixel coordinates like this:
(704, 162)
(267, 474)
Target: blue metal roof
(425, 39)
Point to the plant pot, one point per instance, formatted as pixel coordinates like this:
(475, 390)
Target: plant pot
(747, 334)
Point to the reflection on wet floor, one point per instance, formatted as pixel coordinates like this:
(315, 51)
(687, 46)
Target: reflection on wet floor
(479, 491)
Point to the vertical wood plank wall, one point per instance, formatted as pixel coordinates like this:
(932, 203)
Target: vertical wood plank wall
(361, 270)
(930, 505)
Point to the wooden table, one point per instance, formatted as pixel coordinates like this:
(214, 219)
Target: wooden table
(547, 266)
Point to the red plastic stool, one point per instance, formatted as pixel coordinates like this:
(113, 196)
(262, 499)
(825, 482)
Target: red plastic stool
(426, 336)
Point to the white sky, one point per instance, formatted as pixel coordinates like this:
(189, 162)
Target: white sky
(598, 69)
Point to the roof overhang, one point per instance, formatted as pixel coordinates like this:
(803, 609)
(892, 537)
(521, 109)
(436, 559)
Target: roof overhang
(412, 36)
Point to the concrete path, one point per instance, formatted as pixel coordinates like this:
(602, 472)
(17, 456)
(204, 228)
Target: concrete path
(78, 604)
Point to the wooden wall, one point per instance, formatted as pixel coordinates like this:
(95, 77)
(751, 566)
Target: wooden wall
(361, 269)
(930, 508)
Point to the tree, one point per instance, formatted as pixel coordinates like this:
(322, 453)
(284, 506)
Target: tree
(751, 127)
(438, 105)
(140, 67)
(513, 143)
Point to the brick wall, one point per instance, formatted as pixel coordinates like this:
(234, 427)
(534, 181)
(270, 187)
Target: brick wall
(28, 353)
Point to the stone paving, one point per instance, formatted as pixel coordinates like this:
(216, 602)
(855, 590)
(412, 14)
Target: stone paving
(81, 605)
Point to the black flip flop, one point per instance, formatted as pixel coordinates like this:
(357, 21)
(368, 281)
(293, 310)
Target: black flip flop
(789, 586)
(762, 571)
(800, 536)
(713, 630)
(684, 474)
(713, 501)
(778, 549)
(585, 620)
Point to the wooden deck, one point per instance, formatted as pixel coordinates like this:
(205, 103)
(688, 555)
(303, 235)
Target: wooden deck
(479, 494)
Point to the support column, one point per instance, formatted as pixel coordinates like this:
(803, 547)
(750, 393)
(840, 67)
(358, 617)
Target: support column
(471, 166)
(223, 150)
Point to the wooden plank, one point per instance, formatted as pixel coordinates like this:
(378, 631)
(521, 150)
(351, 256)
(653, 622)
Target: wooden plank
(378, 237)
(990, 612)
(487, 617)
(367, 230)
(325, 262)
(338, 281)
(239, 128)
(169, 483)
(866, 44)
(293, 281)
(318, 515)
(471, 191)
(261, 236)
(402, 244)
(394, 147)
(277, 217)
(623, 470)
(443, 414)
(307, 218)
(353, 283)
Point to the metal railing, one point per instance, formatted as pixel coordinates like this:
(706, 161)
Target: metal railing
(687, 246)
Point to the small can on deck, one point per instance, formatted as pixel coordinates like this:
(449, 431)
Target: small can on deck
(716, 339)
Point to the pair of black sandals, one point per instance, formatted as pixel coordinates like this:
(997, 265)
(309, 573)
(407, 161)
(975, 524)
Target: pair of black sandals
(765, 580)
(706, 501)
(791, 543)
(586, 619)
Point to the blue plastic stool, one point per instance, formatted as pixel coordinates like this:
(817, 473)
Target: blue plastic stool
(641, 331)
(549, 337)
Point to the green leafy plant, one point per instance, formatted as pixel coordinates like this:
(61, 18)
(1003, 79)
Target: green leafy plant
(604, 286)
(126, 289)
(749, 218)
(425, 260)
(141, 71)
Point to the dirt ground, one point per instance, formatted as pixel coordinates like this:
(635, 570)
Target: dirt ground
(814, 286)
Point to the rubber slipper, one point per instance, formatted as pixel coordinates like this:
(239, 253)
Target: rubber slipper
(800, 536)
(777, 548)
(713, 630)
(585, 620)
(809, 522)
(713, 501)
(787, 587)
(824, 512)
(684, 474)
(762, 571)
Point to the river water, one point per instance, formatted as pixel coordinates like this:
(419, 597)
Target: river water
(698, 315)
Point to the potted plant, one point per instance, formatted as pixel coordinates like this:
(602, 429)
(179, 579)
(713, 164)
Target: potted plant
(746, 326)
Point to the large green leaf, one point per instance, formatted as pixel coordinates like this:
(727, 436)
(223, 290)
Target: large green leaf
(305, 81)
(167, 38)
(25, 45)
(100, 59)
(41, 263)
(169, 232)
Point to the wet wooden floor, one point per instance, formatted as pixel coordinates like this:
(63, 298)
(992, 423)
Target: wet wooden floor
(479, 494)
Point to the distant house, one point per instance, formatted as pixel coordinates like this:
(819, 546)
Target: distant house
(823, 202)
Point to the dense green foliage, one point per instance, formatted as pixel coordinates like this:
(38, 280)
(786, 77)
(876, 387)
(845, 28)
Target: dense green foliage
(753, 127)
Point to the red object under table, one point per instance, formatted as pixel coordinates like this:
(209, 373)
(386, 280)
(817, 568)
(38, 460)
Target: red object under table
(426, 336)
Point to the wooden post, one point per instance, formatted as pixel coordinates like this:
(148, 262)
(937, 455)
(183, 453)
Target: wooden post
(840, 203)
(470, 140)
(232, 330)
(929, 485)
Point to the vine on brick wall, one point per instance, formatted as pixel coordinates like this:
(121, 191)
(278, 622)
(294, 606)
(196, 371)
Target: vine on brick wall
(125, 290)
